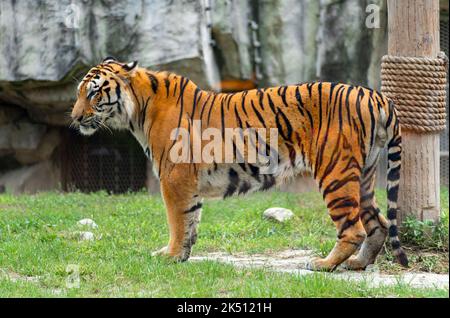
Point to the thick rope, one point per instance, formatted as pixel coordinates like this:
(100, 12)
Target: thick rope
(418, 87)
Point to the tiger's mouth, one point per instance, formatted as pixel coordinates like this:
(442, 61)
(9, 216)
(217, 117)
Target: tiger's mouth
(87, 130)
(89, 126)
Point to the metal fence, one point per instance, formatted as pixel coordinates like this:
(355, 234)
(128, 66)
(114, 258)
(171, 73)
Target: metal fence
(104, 161)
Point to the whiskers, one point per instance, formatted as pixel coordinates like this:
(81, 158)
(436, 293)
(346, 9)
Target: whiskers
(73, 124)
(102, 125)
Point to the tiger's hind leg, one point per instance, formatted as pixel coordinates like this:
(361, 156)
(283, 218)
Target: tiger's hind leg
(374, 223)
(184, 209)
(342, 199)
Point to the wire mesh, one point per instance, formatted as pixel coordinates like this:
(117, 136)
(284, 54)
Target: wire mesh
(114, 163)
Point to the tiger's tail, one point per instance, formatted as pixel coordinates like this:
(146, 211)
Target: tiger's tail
(393, 178)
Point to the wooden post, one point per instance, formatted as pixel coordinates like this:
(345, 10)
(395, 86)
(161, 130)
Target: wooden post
(414, 31)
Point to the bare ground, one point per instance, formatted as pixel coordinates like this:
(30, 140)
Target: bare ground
(294, 262)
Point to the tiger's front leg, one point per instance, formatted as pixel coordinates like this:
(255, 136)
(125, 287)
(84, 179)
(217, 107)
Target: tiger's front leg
(183, 207)
(343, 203)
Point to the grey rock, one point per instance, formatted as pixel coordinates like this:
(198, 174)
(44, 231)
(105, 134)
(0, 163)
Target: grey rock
(320, 40)
(86, 236)
(46, 46)
(88, 222)
(22, 135)
(43, 151)
(43, 176)
(230, 20)
(10, 114)
(278, 214)
(288, 40)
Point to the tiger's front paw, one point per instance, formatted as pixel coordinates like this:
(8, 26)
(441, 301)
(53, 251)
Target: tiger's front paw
(162, 252)
(320, 265)
(165, 252)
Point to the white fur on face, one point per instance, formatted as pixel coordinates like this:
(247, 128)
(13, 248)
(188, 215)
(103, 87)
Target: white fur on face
(87, 131)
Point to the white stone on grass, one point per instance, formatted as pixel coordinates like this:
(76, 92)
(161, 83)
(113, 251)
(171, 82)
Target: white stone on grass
(278, 214)
(88, 223)
(86, 236)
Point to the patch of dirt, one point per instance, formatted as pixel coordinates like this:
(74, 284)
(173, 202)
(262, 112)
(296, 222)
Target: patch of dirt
(429, 261)
(294, 262)
(14, 277)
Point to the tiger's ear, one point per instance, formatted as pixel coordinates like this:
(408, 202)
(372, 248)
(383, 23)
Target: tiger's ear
(130, 66)
(109, 59)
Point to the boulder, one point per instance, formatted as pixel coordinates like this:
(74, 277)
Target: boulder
(345, 46)
(278, 214)
(233, 47)
(43, 176)
(47, 46)
(320, 40)
(43, 151)
(10, 114)
(287, 32)
(21, 135)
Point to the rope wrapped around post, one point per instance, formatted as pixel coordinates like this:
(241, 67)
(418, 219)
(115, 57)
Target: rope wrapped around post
(418, 88)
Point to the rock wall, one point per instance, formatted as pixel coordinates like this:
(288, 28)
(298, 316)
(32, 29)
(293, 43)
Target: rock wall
(46, 46)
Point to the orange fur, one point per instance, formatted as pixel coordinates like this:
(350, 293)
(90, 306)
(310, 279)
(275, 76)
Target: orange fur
(335, 131)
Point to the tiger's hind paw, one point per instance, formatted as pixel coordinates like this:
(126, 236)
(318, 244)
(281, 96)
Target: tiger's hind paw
(320, 265)
(354, 263)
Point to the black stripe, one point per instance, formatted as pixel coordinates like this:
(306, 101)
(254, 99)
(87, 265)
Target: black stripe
(282, 93)
(261, 97)
(154, 82)
(271, 104)
(358, 110)
(238, 118)
(234, 182)
(347, 224)
(288, 135)
(337, 184)
(392, 214)
(396, 156)
(395, 245)
(210, 108)
(372, 231)
(260, 118)
(254, 171)
(244, 94)
(394, 174)
(393, 231)
(222, 118)
(194, 103)
(167, 83)
(372, 121)
(194, 208)
(392, 193)
(245, 186)
(269, 182)
(203, 106)
(344, 202)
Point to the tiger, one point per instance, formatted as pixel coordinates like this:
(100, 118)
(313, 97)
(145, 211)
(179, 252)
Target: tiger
(335, 132)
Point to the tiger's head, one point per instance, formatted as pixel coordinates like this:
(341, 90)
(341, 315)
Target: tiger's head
(102, 97)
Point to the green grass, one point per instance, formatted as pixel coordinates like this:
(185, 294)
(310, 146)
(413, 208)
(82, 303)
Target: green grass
(37, 238)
